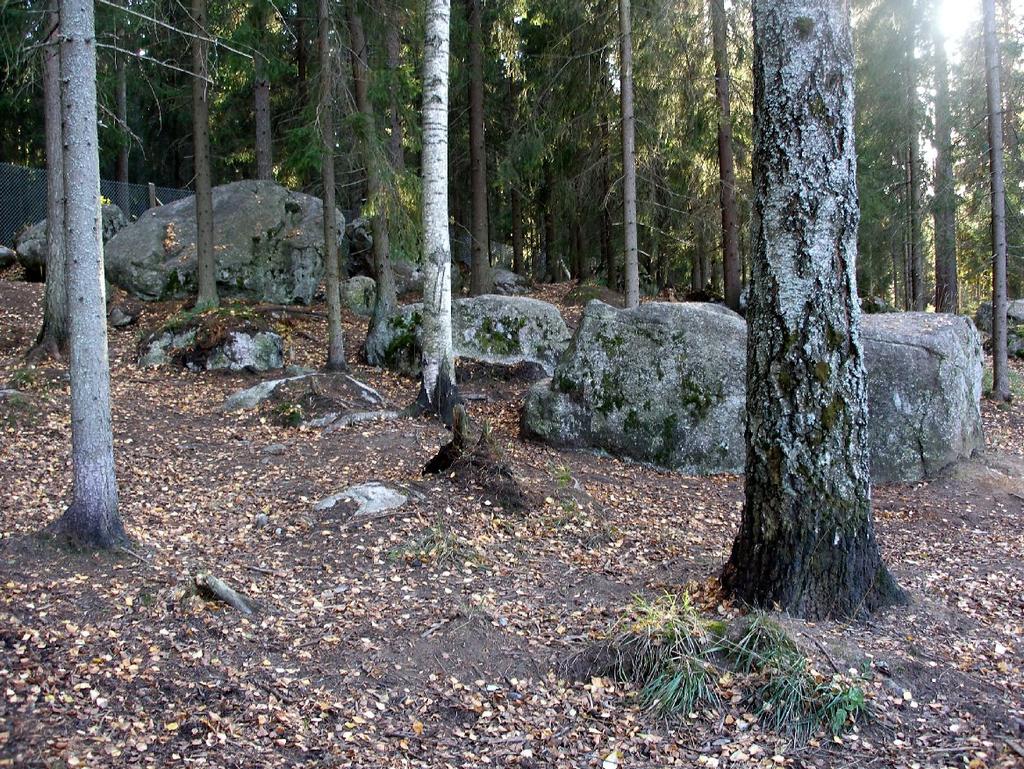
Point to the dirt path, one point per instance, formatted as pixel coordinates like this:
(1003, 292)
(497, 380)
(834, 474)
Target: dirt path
(369, 651)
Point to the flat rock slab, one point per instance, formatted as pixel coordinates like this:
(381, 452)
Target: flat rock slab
(253, 396)
(371, 498)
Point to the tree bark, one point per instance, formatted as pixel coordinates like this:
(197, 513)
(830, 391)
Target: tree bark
(947, 292)
(438, 393)
(480, 281)
(726, 169)
(335, 333)
(993, 76)
(517, 230)
(385, 299)
(806, 541)
(92, 520)
(206, 265)
(628, 157)
(261, 100)
(121, 164)
(53, 336)
(393, 48)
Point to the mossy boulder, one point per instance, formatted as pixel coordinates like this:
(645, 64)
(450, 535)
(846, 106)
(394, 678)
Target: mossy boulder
(229, 338)
(268, 241)
(502, 330)
(666, 384)
(924, 392)
(662, 383)
(358, 294)
(1014, 325)
(31, 244)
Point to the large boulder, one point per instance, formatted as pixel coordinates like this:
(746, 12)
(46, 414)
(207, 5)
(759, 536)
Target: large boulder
(237, 351)
(924, 392)
(662, 383)
(31, 244)
(1014, 324)
(503, 330)
(665, 384)
(509, 283)
(8, 256)
(358, 294)
(268, 240)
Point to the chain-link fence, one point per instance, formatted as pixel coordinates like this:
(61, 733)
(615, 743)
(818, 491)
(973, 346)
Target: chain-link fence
(23, 198)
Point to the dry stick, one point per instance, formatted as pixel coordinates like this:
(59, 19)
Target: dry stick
(824, 651)
(159, 63)
(218, 588)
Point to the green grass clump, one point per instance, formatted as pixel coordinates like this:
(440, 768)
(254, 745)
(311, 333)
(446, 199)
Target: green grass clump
(437, 545)
(676, 658)
(664, 647)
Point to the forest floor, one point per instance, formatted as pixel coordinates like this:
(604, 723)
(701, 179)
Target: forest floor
(445, 634)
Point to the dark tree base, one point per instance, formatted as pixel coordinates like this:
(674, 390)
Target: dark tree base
(442, 404)
(833, 584)
(81, 529)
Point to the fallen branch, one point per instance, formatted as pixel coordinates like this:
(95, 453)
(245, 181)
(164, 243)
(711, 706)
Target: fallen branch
(209, 584)
(358, 417)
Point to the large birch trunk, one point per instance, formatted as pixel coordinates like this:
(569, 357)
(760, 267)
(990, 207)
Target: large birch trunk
(335, 334)
(632, 275)
(438, 394)
(993, 75)
(806, 541)
(726, 169)
(53, 336)
(92, 519)
(480, 276)
(947, 291)
(206, 265)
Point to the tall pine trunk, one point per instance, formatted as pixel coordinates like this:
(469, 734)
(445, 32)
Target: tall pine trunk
(438, 393)
(726, 169)
(385, 299)
(92, 519)
(480, 268)
(628, 157)
(261, 95)
(947, 292)
(393, 49)
(335, 334)
(517, 230)
(806, 541)
(121, 163)
(993, 75)
(53, 336)
(206, 265)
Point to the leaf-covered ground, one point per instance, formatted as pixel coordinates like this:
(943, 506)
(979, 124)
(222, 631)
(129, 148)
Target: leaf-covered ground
(446, 634)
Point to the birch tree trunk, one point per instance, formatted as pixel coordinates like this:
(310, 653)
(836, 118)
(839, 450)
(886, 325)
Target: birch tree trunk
(438, 393)
(806, 541)
(726, 169)
(947, 292)
(92, 520)
(385, 299)
(206, 266)
(53, 336)
(993, 76)
(628, 157)
(480, 281)
(335, 333)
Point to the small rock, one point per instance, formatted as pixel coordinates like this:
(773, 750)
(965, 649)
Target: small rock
(120, 317)
(262, 519)
(275, 449)
(371, 498)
